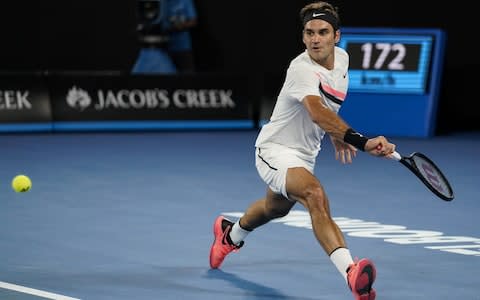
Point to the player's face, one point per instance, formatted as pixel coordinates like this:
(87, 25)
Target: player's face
(320, 38)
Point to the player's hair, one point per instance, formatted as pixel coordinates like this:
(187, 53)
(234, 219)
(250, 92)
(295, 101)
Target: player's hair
(319, 5)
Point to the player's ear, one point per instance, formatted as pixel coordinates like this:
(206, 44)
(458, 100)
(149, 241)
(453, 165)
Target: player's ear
(337, 36)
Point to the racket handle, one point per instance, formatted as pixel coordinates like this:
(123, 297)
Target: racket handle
(396, 156)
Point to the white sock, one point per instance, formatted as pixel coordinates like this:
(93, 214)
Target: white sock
(238, 234)
(342, 258)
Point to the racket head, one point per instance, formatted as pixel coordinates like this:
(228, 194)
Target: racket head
(429, 173)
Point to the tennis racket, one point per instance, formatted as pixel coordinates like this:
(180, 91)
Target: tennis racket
(428, 172)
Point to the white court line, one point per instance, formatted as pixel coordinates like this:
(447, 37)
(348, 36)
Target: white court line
(26, 290)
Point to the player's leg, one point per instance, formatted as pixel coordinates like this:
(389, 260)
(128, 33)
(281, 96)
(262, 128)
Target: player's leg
(264, 210)
(304, 187)
(272, 165)
(229, 236)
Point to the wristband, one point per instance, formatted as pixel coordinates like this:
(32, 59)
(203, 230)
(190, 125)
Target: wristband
(355, 139)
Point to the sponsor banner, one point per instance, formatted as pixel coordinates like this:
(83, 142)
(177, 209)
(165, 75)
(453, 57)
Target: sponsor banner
(24, 104)
(150, 99)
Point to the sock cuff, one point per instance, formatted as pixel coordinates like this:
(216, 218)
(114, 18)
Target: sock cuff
(336, 250)
(241, 227)
(237, 233)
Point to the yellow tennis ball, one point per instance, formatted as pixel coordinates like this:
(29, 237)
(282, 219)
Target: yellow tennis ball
(21, 183)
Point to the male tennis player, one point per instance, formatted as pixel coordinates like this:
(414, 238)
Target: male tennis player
(286, 148)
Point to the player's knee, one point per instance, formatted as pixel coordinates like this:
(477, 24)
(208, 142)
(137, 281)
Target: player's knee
(316, 199)
(277, 206)
(278, 212)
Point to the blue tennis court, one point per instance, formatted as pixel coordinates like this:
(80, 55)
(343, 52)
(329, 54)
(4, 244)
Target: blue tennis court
(130, 215)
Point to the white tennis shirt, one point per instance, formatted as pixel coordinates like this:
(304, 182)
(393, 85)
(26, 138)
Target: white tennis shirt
(290, 124)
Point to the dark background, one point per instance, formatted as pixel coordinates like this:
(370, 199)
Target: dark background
(257, 38)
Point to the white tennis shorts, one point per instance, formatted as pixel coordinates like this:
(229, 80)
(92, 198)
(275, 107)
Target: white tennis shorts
(273, 162)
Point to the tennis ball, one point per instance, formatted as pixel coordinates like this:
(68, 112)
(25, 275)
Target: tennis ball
(21, 183)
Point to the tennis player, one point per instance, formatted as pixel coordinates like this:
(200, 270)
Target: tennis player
(287, 146)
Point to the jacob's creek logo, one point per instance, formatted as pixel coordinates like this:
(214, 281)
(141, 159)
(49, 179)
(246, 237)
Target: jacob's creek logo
(14, 100)
(396, 234)
(80, 99)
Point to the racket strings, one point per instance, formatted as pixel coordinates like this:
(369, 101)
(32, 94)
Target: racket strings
(432, 175)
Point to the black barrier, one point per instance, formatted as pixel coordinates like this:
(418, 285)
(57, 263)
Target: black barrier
(73, 102)
(152, 102)
(24, 104)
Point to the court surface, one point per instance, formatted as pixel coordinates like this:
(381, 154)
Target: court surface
(129, 216)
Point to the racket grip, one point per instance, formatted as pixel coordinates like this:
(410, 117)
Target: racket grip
(396, 156)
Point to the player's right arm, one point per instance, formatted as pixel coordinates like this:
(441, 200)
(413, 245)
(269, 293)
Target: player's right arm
(325, 117)
(336, 127)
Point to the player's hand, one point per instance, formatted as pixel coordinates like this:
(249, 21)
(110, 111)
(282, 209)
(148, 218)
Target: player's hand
(343, 152)
(379, 146)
